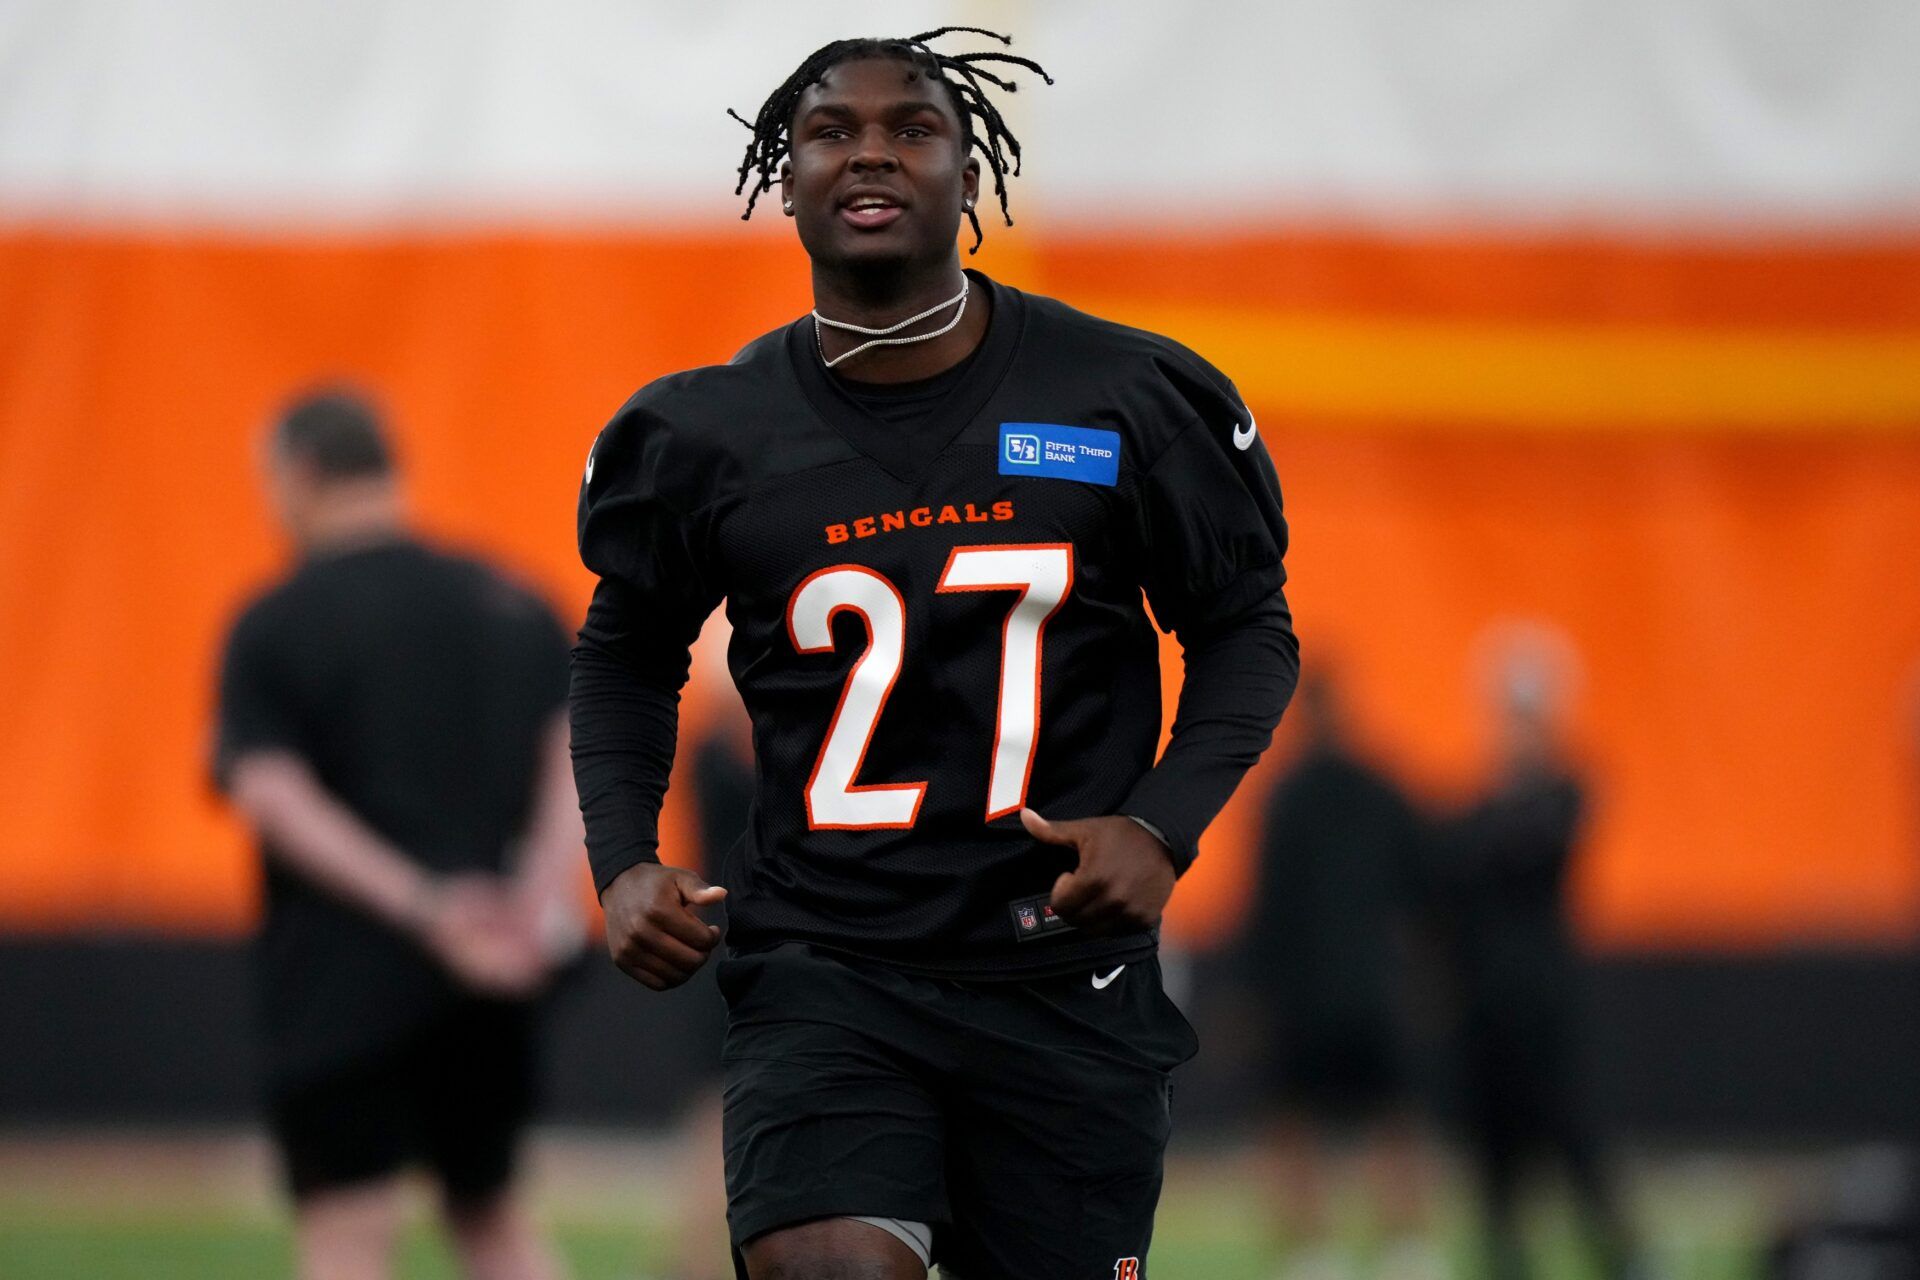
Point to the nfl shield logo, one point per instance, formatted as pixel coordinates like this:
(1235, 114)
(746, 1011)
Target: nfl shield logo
(1028, 920)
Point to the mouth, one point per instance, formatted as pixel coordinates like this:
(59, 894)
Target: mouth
(870, 210)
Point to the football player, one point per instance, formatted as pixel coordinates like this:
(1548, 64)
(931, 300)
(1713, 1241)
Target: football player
(932, 507)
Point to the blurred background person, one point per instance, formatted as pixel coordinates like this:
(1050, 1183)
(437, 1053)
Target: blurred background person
(1863, 1217)
(1504, 861)
(391, 726)
(723, 786)
(1335, 933)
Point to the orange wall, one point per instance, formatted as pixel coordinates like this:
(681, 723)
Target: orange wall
(1700, 461)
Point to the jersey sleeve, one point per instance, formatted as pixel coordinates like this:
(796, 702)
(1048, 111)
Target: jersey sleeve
(259, 709)
(1214, 541)
(641, 531)
(1210, 519)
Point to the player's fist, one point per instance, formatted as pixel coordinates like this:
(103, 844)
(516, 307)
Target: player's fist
(1123, 878)
(654, 930)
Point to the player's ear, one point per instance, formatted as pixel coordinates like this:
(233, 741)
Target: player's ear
(970, 183)
(786, 187)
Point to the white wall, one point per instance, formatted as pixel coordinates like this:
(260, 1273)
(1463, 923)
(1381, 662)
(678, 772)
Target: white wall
(239, 110)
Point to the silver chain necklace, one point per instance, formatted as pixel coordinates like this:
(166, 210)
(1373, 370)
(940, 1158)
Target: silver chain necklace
(880, 338)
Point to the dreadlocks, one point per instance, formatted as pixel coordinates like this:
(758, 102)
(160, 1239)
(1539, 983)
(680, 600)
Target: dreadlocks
(962, 75)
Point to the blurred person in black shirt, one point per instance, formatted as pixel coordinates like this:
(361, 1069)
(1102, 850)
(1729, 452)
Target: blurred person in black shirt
(392, 726)
(1505, 860)
(1330, 955)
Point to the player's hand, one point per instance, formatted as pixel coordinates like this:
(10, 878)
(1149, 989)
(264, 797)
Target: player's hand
(1123, 879)
(471, 924)
(654, 931)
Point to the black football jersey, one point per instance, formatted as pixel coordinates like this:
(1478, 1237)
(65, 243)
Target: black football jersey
(938, 623)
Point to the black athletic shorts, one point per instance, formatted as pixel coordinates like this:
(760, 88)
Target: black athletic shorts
(1024, 1121)
(454, 1097)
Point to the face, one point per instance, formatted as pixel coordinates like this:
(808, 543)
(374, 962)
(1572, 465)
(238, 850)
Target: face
(878, 171)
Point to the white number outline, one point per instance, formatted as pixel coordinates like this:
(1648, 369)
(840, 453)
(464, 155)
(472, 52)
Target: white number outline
(837, 800)
(1019, 686)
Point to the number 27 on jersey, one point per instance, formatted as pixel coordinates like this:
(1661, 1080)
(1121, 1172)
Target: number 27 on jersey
(1041, 574)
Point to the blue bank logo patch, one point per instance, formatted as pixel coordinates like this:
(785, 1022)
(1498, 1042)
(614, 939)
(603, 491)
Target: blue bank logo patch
(1057, 452)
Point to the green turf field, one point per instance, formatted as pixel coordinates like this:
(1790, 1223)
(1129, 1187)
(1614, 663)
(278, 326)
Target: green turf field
(173, 1219)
